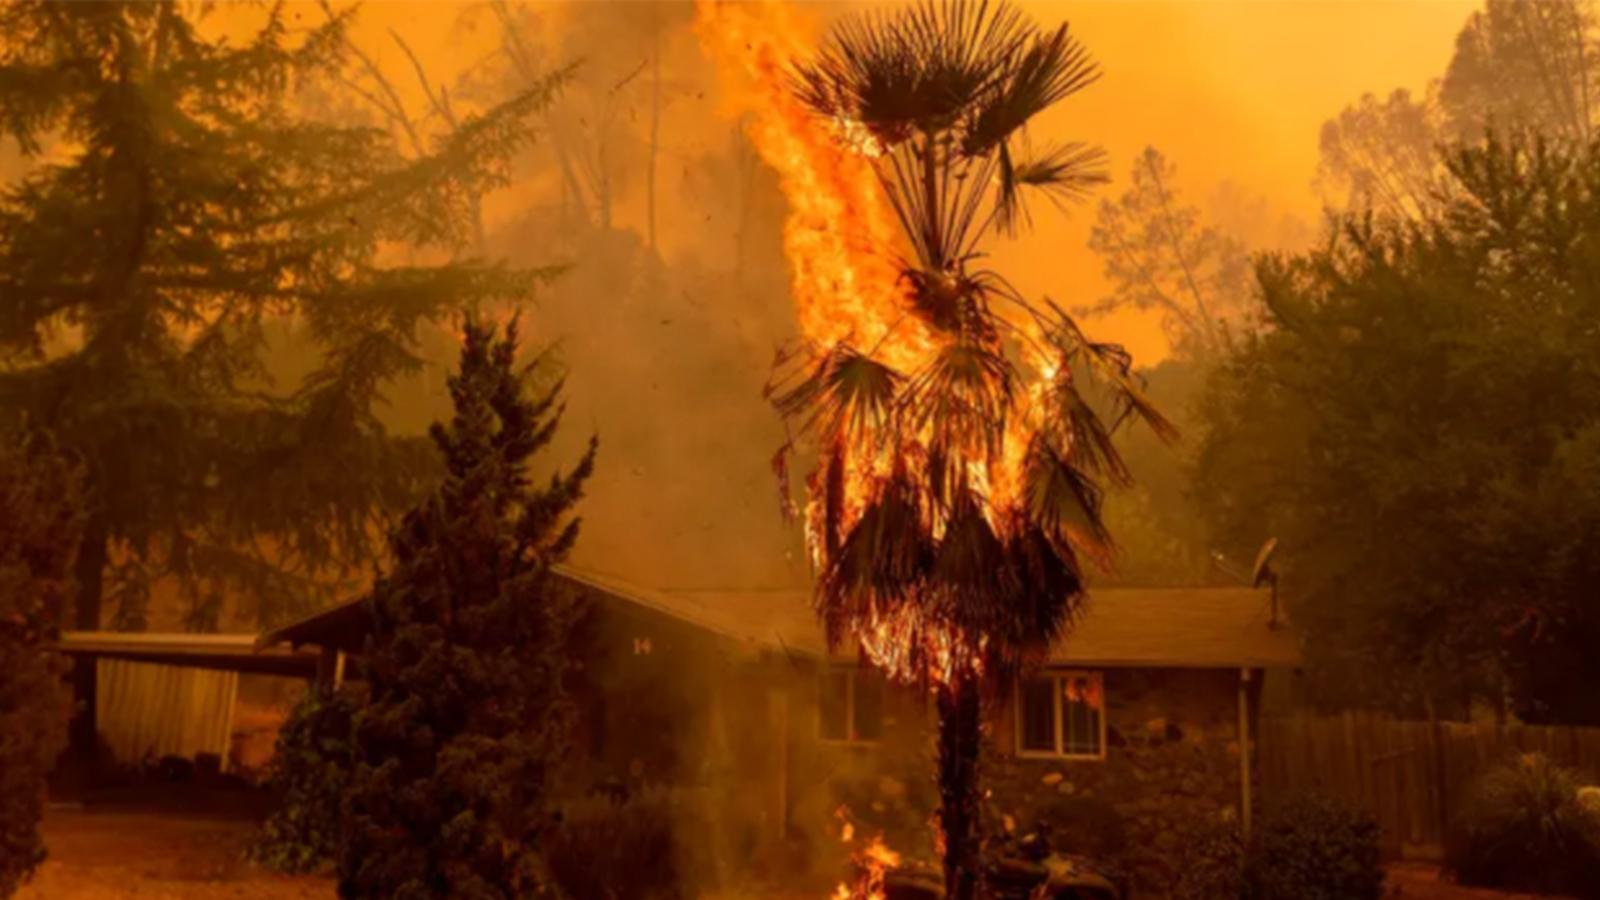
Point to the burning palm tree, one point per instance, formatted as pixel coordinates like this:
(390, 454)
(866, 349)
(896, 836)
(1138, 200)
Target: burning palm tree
(959, 448)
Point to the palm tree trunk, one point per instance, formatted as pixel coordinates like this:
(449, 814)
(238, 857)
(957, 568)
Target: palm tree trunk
(960, 711)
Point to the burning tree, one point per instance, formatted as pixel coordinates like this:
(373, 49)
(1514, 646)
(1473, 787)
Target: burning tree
(958, 448)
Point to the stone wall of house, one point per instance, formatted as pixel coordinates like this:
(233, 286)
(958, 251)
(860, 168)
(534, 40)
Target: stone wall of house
(1171, 767)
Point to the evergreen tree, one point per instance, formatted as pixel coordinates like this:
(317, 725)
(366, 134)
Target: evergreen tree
(147, 265)
(1418, 423)
(467, 716)
(39, 525)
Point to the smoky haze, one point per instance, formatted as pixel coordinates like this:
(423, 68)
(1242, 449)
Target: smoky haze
(667, 329)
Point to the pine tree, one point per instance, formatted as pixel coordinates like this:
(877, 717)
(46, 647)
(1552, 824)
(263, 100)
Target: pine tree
(467, 717)
(39, 525)
(150, 263)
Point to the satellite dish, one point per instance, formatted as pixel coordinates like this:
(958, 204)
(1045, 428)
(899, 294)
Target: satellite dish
(1261, 572)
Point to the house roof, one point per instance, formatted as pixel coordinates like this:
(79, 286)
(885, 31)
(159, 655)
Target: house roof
(1121, 627)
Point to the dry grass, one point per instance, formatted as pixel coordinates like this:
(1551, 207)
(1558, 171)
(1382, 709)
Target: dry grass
(157, 856)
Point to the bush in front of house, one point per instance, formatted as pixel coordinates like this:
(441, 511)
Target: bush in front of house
(1524, 826)
(309, 773)
(39, 528)
(1313, 848)
(608, 850)
(1211, 866)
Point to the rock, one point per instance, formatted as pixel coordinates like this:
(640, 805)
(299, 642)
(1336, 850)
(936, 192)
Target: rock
(1052, 779)
(1589, 800)
(1156, 728)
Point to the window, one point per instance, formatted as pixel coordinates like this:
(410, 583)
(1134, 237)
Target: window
(1062, 713)
(850, 708)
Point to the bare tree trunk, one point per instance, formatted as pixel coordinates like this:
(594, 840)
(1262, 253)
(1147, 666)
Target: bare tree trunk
(960, 711)
(90, 573)
(655, 134)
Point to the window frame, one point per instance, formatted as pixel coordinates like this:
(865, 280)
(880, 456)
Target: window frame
(853, 675)
(1057, 677)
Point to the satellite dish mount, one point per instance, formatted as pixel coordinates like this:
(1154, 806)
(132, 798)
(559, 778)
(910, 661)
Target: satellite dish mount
(1263, 573)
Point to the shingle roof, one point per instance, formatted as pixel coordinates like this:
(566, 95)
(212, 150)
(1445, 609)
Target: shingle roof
(1157, 627)
(1162, 627)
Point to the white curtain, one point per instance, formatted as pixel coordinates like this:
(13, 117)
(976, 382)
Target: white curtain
(152, 709)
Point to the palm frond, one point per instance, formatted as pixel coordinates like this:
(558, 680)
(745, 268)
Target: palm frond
(1066, 173)
(1072, 422)
(963, 399)
(1065, 503)
(915, 70)
(846, 395)
(1053, 66)
(881, 562)
(1112, 365)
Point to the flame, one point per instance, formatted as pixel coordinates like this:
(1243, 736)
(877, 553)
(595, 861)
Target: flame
(872, 861)
(841, 235)
(844, 244)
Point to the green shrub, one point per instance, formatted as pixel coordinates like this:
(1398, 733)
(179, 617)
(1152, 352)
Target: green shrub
(1524, 827)
(604, 850)
(1310, 848)
(310, 771)
(1211, 866)
(39, 527)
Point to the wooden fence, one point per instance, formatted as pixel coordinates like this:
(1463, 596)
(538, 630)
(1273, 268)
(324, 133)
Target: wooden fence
(1409, 775)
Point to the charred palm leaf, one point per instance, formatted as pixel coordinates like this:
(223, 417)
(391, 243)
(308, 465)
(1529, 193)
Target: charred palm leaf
(1070, 422)
(913, 71)
(846, 396)
(1064, 174)
(974, 586)
(1053, 66)
(1065, 503)
(881, 563)
(963, 399)
(1112, 365)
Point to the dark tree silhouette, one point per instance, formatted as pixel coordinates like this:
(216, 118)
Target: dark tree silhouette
(40, 521)
(149, 271)
(467, 718)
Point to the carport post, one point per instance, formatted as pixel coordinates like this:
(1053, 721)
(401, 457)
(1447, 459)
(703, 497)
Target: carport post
(1244, 753)
(330, 669)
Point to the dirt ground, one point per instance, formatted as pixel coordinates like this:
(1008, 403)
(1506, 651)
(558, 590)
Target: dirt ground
(164, 855)
(1419, 881)
(156, 856)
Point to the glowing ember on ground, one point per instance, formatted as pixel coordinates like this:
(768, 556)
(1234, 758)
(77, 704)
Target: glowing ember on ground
(873, 861)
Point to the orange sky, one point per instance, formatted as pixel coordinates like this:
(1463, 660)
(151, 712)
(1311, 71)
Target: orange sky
(1230, 90)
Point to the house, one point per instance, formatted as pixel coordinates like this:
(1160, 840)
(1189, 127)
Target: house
(1138, 729)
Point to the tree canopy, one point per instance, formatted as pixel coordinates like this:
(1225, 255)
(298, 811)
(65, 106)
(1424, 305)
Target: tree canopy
(187, 212)
(1517, 66)
(1418, 423)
